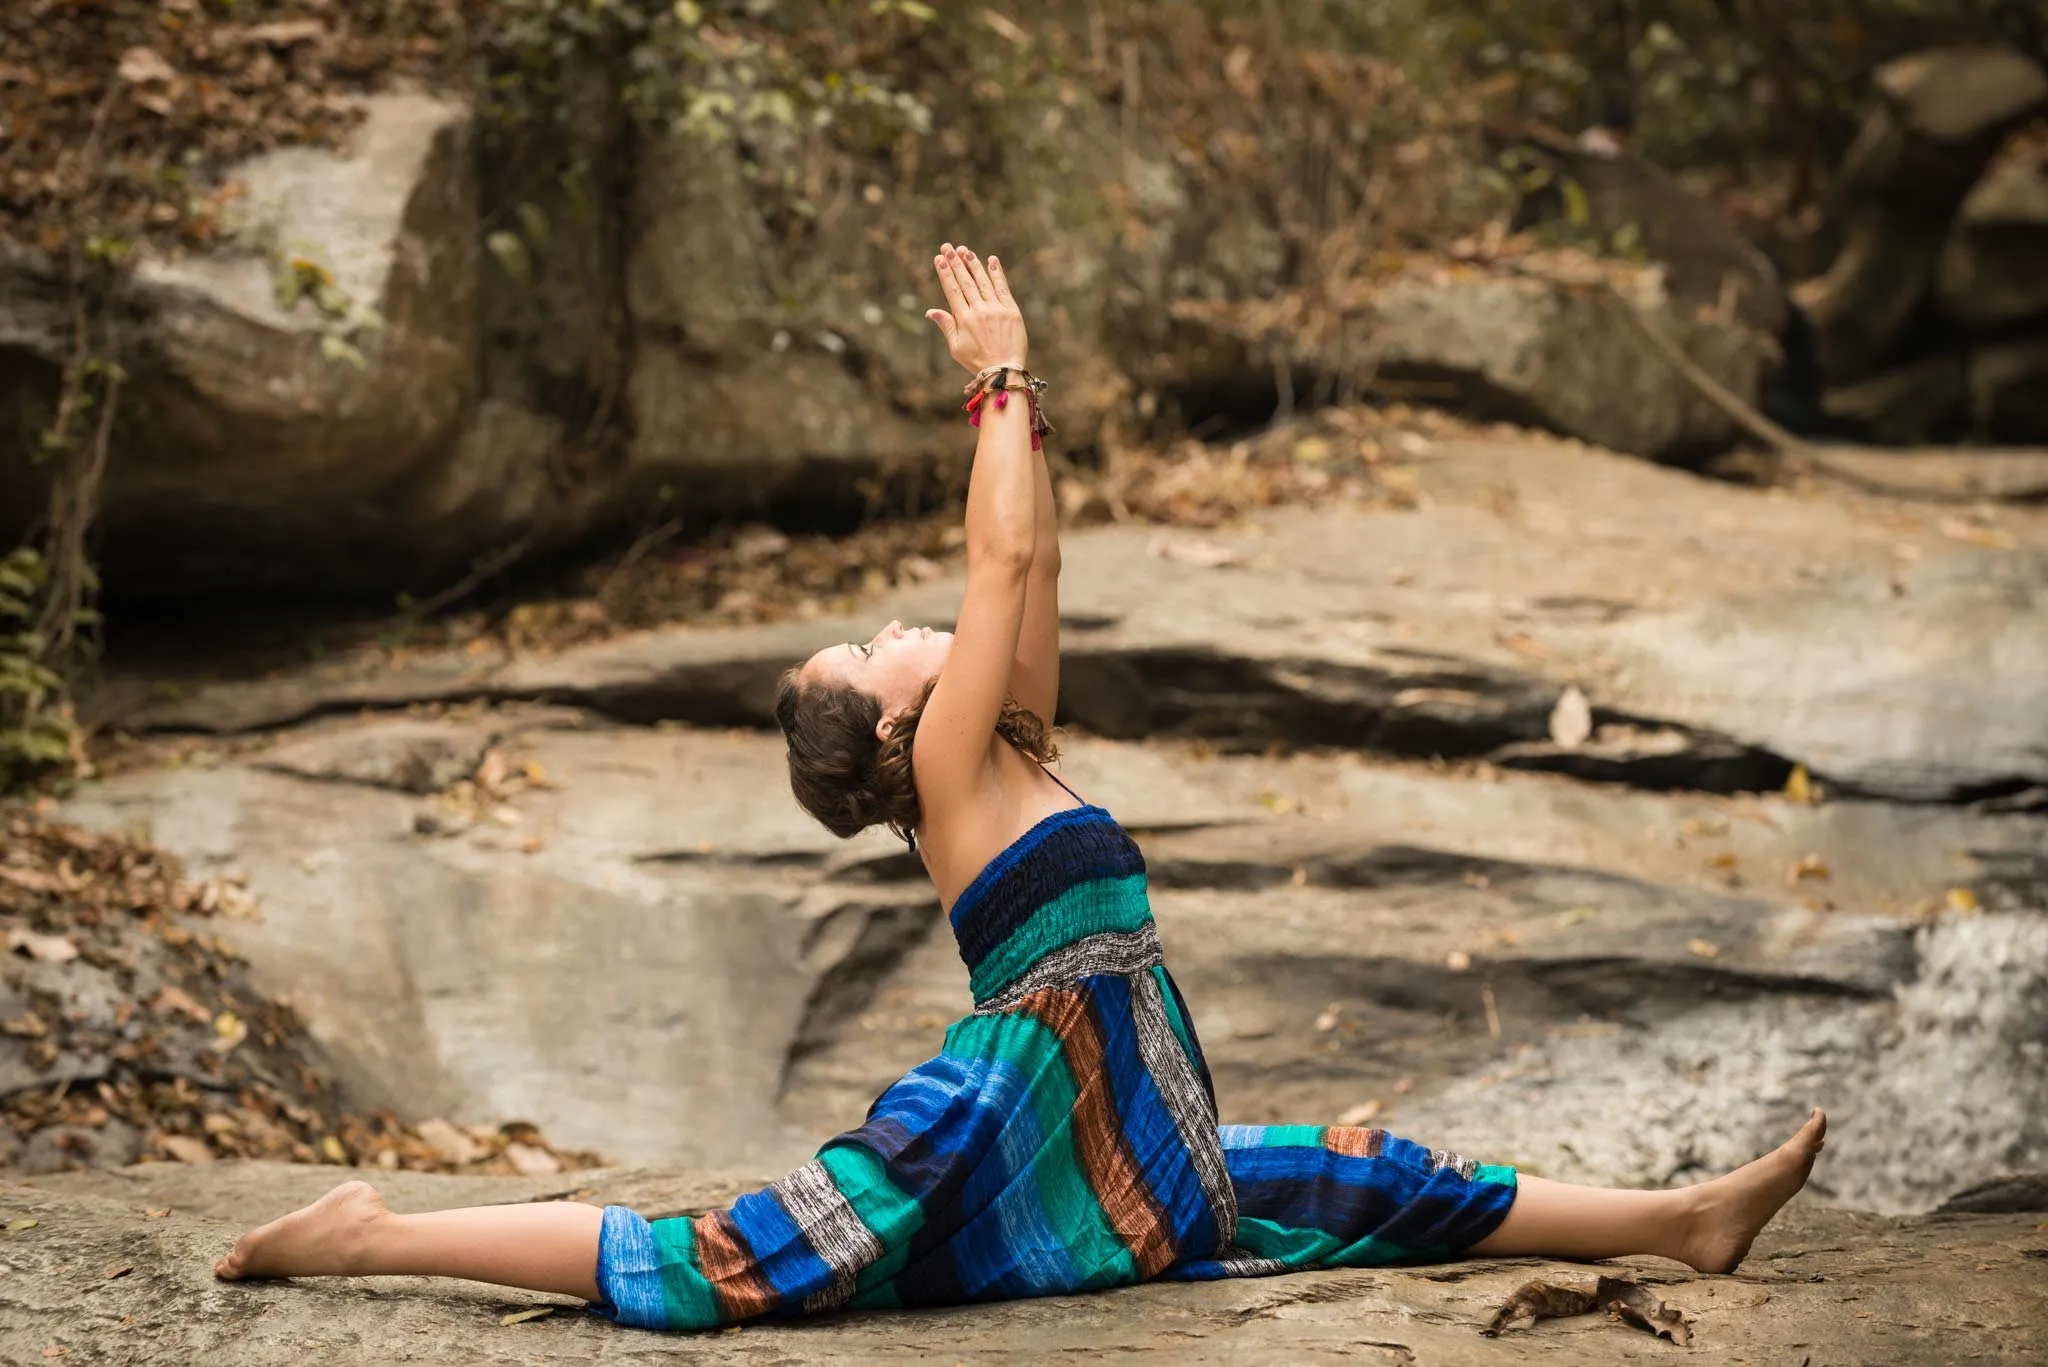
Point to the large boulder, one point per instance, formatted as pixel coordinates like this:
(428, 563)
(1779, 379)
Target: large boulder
(1632, 207)
(1907, 405)
(1939, 118)
(1994, 269)
(292, 399)
(1567, 356)
(2009, 391)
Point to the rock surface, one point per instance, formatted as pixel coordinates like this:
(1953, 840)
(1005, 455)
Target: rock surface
(101, 1282)
(1992, 270)
(1603, 946)
(753, 985)
(1564, 358)
(2009, 390)
(1940, 118)
(1722, 635)
(252, 452)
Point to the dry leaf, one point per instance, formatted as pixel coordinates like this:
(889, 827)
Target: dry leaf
(48, 949)
(1571, 721)
(1361, 1114)
(146, 66)
(1534, 1301)
(1621, 1297)
(17, 1226)
(154, 1213)
(531, 1162)
(492, 769)
(1522, 643)
(1812, 866)
(331, 1149)
(1705, 949)
(1991, 538)
(521, 1317)
(1572, 916)
(178, 999)
(1457, 961)
(1962, 901)
(115, 1270)
(1201, 555)
(230, 1030)
(1636, 1304)
(1800, 787)
(450, 1143)
(1327, 1021)
(186, 1149)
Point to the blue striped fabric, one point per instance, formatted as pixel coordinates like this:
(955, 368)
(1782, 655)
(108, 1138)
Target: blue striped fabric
(1065, 1139)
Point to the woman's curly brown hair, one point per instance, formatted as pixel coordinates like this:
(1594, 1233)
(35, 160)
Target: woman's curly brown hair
(849, 778)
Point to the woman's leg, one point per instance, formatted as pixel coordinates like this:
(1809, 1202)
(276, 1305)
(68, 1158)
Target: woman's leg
(1709, 1227)
(543, 1246)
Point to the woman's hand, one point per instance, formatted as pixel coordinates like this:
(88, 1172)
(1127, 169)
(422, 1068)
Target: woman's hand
(984, 327)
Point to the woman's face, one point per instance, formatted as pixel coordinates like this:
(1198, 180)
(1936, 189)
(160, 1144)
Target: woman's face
(892, 668)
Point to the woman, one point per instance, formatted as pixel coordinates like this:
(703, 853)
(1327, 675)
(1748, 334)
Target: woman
(1066, 1137)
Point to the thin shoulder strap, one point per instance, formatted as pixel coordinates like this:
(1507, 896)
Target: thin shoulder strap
(1069, 791)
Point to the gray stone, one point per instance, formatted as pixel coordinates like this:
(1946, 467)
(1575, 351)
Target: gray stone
(1907, 405)
(2021, 1191)
(797, 977)
(1764, 629)
(1994, 269)
(1563, 356)
(2009, 391)
(1939, 119)
(251, 456)
(1956, 1287)
(417, 757)
(1631, 203)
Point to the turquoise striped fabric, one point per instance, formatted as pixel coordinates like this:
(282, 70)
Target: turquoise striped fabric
(1064, 1139)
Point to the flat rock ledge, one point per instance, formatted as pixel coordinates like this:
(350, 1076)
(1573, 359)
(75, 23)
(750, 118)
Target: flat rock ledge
(98, 1279)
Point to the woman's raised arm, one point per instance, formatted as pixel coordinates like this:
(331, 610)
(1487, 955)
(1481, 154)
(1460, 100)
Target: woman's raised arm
(983, 328)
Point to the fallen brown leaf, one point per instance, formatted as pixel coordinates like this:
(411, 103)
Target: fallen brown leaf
(115, 1270)
(48, 949)
(1361, 1114)
(1636, 1304)
(1622, 1297)
(450, 1143)
(1990, 538)
(1800, 787)
(17, 1226)
(1535, 1301)
(1201, 555)
(156, 1213)
(1811, 866)
(186, 1149)
(178, 999)
(523, 1316)
(1704, 949)
(529, 1161)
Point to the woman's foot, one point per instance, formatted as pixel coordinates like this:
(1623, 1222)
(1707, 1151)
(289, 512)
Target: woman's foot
(325, 1239)
(1732, 1210)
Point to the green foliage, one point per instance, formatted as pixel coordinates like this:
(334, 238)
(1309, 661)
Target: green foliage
(709, 69)
(37, 733)
(1712, 83)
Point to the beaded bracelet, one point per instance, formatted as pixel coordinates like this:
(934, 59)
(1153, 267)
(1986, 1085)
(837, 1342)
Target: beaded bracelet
(1002, 381)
